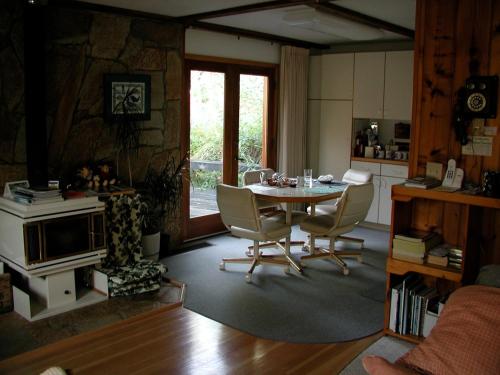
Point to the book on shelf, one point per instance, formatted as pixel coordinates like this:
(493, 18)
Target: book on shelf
(438, 255)
(415, 235)
(414, 306)
(422, 182)
(437, 260)
(37, 192)
(417, 247)
(408, 258)
(35, 201)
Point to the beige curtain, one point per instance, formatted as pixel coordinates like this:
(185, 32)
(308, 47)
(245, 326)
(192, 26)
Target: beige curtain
(293, 110)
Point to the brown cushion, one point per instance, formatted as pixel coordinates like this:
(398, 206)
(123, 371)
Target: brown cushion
(466, 338)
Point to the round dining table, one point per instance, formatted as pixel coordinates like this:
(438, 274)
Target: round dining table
(289, 195)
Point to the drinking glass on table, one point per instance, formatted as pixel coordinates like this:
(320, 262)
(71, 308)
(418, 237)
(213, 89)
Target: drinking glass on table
(308, 180)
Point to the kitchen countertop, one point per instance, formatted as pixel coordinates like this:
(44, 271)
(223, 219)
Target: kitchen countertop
(381, 161)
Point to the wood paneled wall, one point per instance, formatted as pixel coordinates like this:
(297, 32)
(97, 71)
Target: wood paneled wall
(454, 39)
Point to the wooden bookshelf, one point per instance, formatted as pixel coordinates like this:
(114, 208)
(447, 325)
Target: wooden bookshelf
(467, 222)
(399, 267)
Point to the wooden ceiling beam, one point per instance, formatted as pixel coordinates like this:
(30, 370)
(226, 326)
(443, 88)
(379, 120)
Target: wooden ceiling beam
(257, 35)
(361, 18)
(249, 8)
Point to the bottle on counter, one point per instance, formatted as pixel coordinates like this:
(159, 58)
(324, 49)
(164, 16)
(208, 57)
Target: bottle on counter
(358, 145)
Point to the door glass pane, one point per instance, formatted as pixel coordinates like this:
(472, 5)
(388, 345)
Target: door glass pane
(253, 117)
(206, 143)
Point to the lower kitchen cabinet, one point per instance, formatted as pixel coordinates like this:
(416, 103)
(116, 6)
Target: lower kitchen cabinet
(384, 176)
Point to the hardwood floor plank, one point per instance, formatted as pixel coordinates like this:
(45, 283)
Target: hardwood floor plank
(174, 340)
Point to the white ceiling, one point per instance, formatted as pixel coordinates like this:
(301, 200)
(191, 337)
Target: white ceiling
(398, 12)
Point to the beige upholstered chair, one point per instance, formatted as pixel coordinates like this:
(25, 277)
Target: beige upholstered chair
(351, 209)
(253, 177)
(239, 213)
(352, 176)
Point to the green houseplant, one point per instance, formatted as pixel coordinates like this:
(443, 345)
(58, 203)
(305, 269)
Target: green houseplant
(161, 192)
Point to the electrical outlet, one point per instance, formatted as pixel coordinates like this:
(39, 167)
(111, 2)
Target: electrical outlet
(434, 170)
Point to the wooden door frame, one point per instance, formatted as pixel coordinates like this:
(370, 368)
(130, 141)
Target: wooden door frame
(232, 69)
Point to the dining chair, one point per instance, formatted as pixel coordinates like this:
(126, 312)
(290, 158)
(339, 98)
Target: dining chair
(352, 176)
(239, 213)
(253, 177)
(352, 208)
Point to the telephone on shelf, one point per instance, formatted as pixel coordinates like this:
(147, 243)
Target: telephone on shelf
(453, 178)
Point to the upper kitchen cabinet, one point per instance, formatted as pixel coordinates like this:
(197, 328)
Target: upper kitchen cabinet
(383, 85)
(368, 99)
(398, 92)
(337, 72)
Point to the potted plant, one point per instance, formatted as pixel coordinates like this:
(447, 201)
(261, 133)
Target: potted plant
(161, 192)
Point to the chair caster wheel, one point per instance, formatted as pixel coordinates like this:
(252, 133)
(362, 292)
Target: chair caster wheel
(345, 271)
(248, 278)
(360, 259)
(222, 266)
(305, 249)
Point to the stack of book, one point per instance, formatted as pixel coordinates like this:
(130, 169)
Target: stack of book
(422, 182)
(455, 258)
(413, 245)
(26, 195)
(439, 255)
(413, 305)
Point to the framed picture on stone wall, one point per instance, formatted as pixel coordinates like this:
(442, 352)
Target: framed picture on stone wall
(127, 95)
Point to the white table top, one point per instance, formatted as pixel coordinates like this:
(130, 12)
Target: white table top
(318, 193)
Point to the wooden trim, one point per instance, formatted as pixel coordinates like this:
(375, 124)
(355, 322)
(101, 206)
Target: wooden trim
(472, 200)
(361, 18)
(250, 8)
(257, 35)
(227, 60)
(400, 267)
(411, 338)
(380, 161)
(74, 4)
(418, 53)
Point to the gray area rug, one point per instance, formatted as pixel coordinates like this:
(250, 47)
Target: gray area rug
(319, 306)
(388, 347)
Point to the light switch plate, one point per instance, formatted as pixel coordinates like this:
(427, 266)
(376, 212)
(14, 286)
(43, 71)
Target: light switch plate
(433, 169)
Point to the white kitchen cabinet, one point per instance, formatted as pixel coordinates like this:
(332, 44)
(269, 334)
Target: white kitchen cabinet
(372, 215)
(383, 85)
(368, 98)
(337, 72)
(335, 137)
(398, 91)
(329, 125)
(385, 202)
(384, 176)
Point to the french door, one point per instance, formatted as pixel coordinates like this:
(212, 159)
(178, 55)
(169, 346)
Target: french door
(229, 127)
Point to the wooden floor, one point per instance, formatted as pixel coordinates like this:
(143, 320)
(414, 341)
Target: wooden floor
(174, 340)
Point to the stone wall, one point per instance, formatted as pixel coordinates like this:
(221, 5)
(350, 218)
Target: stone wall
(82, 46)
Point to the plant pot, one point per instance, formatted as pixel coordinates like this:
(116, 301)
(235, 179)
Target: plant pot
(151, 246)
